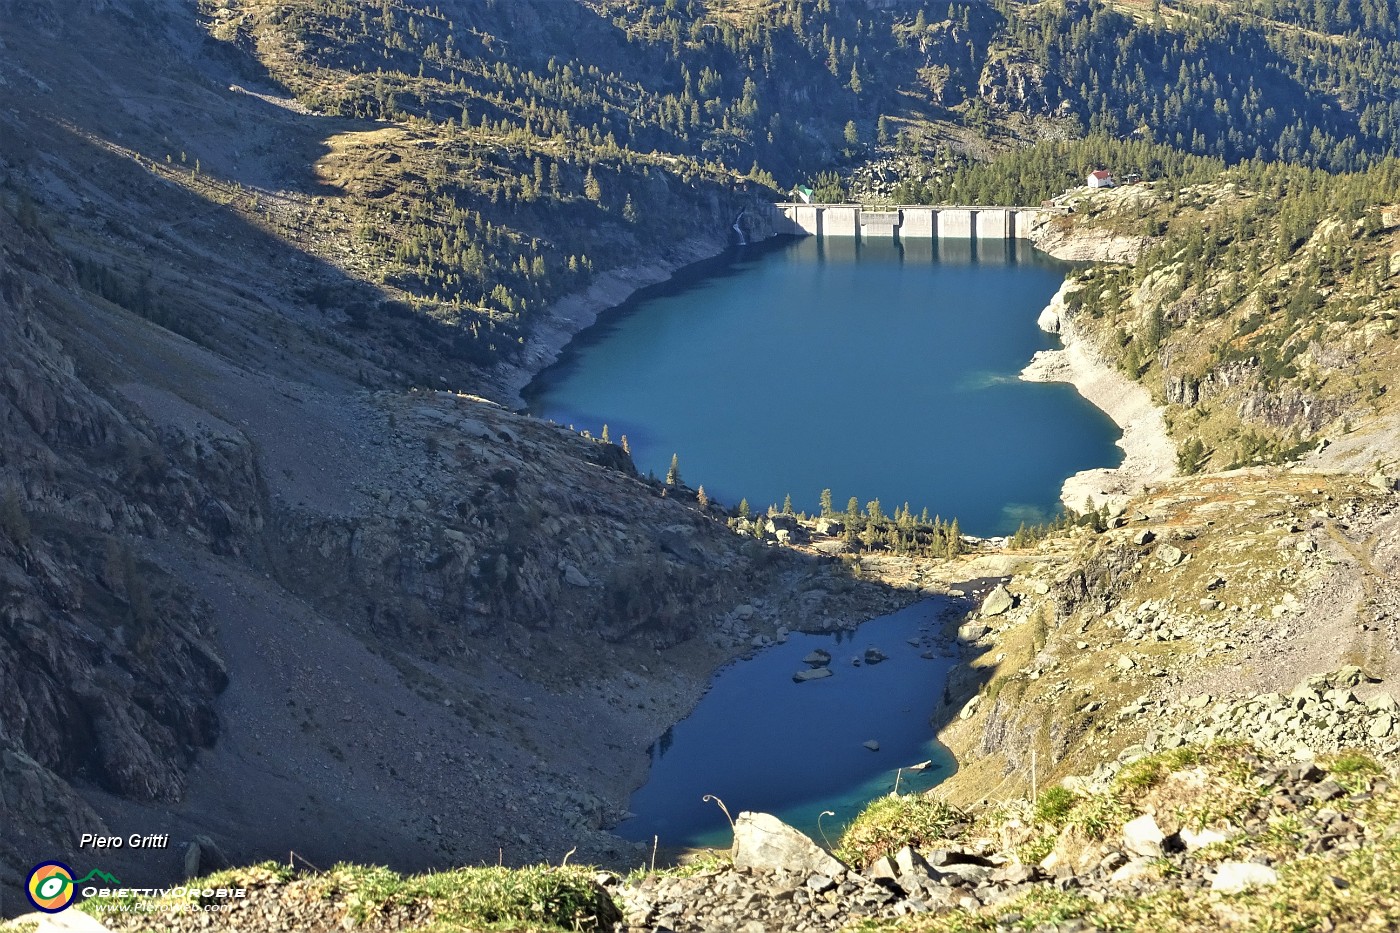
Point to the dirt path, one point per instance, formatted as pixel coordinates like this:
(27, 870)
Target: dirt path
(1376, 644)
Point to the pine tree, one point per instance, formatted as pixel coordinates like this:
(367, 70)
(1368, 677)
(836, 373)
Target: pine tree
(787, 504)
(673, 475)
(701, 499)
(826, 503)
(606, 439)
(954, 540)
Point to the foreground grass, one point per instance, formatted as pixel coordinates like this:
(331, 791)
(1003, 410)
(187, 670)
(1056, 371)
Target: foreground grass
(535, 898)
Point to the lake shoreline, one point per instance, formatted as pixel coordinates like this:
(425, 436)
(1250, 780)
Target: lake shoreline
(1149, 454)
(566, 318)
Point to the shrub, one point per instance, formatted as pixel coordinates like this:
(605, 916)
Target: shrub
(891, 823)
(1053, 806)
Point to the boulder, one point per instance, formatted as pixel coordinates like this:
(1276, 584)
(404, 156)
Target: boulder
(203, 856)
(70, 921)
(830, 527)
(910, 863)
(816, 673)
(1350, 675)
(1199, 840)
(818, 658)
(874, 655)
(1235, 877)
(1142, 836)
(574, 577)
(1169, 555)
(882, 871)
(762, 842)
(1145, 536)
(998, 601)
(1136, 871)
(873, 745)
(972, 631)
(777, 524)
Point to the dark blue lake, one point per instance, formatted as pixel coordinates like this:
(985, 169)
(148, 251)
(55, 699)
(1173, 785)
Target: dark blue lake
(759, 741)
(878, 370)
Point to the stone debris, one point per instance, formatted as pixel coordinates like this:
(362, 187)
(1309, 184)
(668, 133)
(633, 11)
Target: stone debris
(763, 842)
(1237, 877)
(998, 602)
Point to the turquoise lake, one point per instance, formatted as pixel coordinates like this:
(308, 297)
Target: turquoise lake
(877, 370)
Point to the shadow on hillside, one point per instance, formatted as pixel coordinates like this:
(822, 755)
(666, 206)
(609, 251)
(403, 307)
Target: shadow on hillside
(199, 268)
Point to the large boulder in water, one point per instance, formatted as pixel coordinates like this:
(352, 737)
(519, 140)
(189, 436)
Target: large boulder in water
(762, 842)
(816, 673)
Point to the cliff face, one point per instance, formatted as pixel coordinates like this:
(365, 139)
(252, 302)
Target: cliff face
(110, 672)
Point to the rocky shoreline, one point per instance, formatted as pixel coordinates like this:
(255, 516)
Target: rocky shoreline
(1149, 453)
(567, 317)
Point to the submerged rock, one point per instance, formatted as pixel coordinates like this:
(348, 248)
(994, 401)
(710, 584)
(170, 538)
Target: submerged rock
(816, 673)
(818, 658)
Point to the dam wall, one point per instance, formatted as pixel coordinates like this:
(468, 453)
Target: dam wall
(907, 222)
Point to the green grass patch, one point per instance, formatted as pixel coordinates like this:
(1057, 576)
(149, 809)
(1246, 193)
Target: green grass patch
(1146, 773)
(1053, 806)
(891, 823)
(537, 898)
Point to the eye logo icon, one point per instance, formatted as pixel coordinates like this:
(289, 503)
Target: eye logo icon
(51, 887)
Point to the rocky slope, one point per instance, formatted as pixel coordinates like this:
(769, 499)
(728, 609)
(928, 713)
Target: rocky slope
(1205, 593)
(1218, 837)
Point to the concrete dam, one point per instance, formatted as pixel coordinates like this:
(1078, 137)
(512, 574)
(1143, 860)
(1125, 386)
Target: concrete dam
(907, 222)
